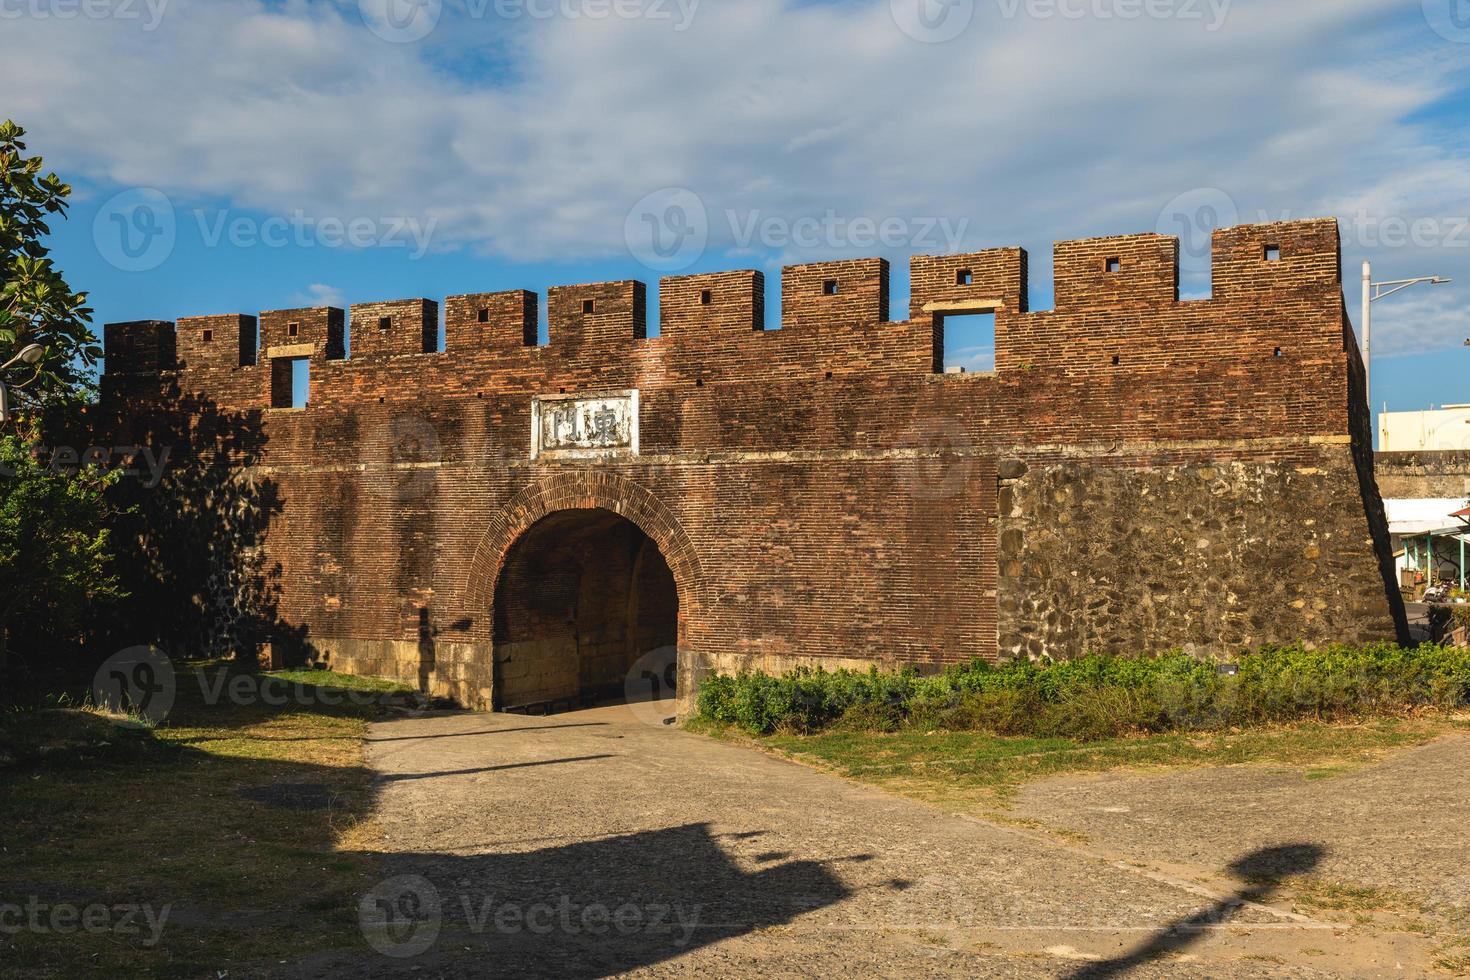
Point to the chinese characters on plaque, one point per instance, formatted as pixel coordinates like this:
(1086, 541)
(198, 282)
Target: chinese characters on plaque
(585, 426)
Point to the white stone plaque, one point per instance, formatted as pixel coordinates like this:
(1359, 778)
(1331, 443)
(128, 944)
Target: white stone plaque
(585, 426)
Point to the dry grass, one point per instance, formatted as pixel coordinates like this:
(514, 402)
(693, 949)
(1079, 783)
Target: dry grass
(247, 822)
(1446, 926)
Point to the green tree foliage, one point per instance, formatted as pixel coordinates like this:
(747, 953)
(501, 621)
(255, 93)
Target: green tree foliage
(56, 564)
(55, 553)
(36, 304)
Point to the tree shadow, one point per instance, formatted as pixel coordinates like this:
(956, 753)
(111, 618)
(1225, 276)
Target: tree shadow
(256, 881)
(586, 909)
(1261, 871)
(191, 547)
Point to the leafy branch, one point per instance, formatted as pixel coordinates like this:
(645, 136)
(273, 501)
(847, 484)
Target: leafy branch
(36, 304)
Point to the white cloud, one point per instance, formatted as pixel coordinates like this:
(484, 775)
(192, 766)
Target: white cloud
(320, 294)
(531, 138)
(1418, 321)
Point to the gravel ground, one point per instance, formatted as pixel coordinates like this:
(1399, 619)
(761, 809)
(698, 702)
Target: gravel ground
(1402, 823)
(605, 843)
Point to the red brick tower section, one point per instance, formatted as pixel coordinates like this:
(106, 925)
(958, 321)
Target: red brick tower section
(1140, 473)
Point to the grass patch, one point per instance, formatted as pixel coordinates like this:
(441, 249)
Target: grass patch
(346, 682)
(27, 738)
(1316, 894)
(962, 770)
(248, 822)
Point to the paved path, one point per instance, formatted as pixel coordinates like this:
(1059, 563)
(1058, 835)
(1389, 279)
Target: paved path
(604, 842)
(1401, 824)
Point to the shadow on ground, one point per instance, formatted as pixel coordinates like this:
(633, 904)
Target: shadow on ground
(1261, 871)
(225, 821)
(581, 909)
(221, 819)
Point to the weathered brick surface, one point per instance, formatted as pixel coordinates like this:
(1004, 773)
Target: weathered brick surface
(321, 327)
(216, 342)
(716, 306)
(819, 492)
(823, 293)
(490, 320)
(406, 326)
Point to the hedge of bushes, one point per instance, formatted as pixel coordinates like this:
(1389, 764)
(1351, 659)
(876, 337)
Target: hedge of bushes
(1101, 696)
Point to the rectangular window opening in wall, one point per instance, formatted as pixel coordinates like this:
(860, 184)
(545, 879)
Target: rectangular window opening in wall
(1273, 253)
(385, 323)
(290, 382)
(1114, 264)
(484, 315)
(964, 278)
(966, 343)
(589, 306)
(249, 342)
(293, 329)
(705, 297)
(208, 336)
(829, 287)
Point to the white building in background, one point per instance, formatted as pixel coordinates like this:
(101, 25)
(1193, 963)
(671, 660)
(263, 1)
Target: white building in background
(1431, 535)
(1442, 428)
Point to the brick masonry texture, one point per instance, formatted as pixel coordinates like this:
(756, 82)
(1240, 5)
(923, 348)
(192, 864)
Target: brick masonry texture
(1138, 474)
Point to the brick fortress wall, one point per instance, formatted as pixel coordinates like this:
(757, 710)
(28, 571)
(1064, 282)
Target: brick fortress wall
(1139, 473)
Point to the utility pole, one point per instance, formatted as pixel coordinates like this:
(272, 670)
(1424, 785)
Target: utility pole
(1368, 334)
(1372, 293)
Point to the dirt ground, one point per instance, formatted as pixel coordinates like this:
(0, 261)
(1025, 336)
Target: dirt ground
(607, 842)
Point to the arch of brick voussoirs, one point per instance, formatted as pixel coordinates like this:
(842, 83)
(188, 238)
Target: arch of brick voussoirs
(581, 491)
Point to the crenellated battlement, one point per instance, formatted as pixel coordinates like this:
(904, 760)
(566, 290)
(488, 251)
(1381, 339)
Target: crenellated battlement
(394, 328)
(597, 314)
(479, 320)
(1116, 305)
(712, 303)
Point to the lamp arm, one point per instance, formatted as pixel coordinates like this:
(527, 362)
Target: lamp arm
(1379, 292)
(1378, 295)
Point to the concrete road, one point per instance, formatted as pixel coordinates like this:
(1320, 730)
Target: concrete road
(605, 842)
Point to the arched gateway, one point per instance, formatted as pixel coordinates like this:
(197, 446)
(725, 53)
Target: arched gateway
(591, 580)
(586, 611)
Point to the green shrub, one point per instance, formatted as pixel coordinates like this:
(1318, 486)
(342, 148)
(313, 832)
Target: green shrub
(1101, 696)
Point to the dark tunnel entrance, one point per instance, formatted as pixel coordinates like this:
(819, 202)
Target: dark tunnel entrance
(586, 612)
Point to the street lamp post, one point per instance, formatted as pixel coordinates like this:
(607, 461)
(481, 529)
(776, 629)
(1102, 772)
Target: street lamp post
(1372, 293)
(29, 354)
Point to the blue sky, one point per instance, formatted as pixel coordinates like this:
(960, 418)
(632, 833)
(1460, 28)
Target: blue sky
(237, 155)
